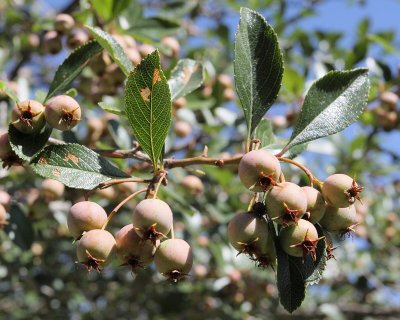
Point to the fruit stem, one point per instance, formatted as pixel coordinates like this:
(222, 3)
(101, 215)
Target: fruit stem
(161, 178)
(255, 143)
(110, 183)
(115, 210)
(172, 232)
(306, 171)
(252, 201)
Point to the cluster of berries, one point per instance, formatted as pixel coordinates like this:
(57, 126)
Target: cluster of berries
(295, 209)
(64, 25)
(29, 117)
(136, 245)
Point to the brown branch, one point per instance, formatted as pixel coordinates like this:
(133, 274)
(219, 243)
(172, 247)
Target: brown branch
(173, 163)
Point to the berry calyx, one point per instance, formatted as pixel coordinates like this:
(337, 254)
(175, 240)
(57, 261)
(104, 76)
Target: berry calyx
(95, 249)
(152, 219)
(62, 112)
(85, 216)
(28, 116)
(131, 250)
(340, 190)
(286, 203)
(174, 259)
(315, 204)
(299, 240)
(259, 170)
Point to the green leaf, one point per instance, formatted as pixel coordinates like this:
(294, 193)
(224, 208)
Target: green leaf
(264, 133)
(293, 82)
(27, 146)
(113, 48)
(119, 6)
(73, 66)
(111, 108)
(294, 274)
(280, 143)
(290, 282)
(148, 105)
(21, 227)
(8, 91)
(75, 165)
(386, 45)
(258, 66)
(187, 76)
(103, 8)
(332, 104)
(154, 27)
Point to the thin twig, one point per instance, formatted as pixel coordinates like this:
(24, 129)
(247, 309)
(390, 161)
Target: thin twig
(115, 210)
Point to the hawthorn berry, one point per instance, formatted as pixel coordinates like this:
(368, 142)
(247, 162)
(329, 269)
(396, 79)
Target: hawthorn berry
(28, 116)
(340, 190)
(95, 249)
(152, 219)
(85, 216)
(131, 250)
(52, 189)
(259, 170)
(3, 216)
(7, 155)
(315, 204)
(52, 42)
(286, 203)
(192, 184)
(249, 233)
(62, 112)
(64, 23)
(174, 259)
(5, 199)
(76, 38)
(339, 220)
(299, 240)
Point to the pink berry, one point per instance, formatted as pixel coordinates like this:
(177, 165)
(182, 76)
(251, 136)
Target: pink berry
(315, 204)
(299, 240)
(85, 216)
(193, 184)
(28, 116)
(52, 42)
(249, 233)
(286, 203)
(340, 190)
(95, 249)
(62, 112)
(259, 170)
(339, 220)
(131, 250)
(174, 259)
(64, 23)
(152, 219)
(52, 189)
(3, 217)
